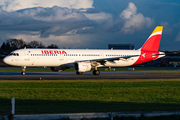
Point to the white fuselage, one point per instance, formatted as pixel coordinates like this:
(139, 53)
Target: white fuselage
(57, 57)
(84, 60)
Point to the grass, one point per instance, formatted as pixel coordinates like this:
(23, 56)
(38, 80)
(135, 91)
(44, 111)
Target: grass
(74, 96)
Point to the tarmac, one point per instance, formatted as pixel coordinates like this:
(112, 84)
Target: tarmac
(88, 75)
(78, 116)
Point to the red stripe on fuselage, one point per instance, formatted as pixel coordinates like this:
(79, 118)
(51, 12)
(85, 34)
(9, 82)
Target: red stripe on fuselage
(146, 57)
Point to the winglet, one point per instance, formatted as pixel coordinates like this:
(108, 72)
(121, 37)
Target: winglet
(152, 43)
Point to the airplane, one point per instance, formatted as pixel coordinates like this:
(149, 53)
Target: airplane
(83, 60)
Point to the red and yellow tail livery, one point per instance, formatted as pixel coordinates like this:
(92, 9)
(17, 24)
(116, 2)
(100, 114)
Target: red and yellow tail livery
(149, 51)
(152, 43)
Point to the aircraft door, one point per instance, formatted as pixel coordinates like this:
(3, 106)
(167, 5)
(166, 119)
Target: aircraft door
(61, 57)
(102, 55)
(27, 55)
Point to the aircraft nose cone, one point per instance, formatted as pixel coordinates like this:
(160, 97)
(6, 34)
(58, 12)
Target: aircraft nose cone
(7, 60)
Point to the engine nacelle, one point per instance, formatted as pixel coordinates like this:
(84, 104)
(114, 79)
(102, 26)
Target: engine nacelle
(82, 66)
(59, 69)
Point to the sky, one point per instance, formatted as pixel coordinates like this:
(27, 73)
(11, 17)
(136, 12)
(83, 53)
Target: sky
(91, 24)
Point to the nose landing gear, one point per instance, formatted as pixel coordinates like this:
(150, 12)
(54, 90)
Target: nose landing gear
(23, 71)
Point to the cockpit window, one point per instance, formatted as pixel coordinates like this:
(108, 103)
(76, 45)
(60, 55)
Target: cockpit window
(14, 54)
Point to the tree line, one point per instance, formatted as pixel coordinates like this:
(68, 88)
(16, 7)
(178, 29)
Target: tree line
(13, 44)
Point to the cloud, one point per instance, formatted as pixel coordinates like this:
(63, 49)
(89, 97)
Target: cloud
(69, 27)
(52, 14)
(13, 5)
(129, 11)
(79, 30)
(67, 41)
(61, 14)
(98, 16)
(59, 21)
(133, 20)
(167, 29)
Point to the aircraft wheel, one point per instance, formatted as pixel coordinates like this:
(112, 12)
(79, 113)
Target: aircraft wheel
(96, 72)
(23, 73)
(79, 73)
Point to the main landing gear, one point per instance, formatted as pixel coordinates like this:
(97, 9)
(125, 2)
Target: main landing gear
(23, 71)
(79, 73)
(96, 72)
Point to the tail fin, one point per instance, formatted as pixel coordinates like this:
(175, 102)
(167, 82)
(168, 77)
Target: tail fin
(152, 43)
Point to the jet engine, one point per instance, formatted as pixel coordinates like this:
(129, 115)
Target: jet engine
(82, 66)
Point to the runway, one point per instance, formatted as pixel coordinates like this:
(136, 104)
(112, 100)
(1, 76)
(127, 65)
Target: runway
(88, 75)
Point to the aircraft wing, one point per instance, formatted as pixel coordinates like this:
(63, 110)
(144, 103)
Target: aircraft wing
(112, 59)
